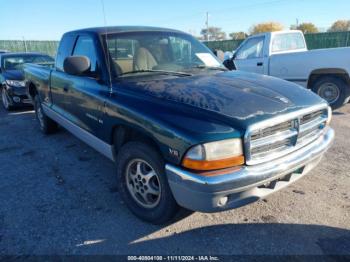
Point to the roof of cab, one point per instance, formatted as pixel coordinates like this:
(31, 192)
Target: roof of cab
(123, 29)
(277, 32)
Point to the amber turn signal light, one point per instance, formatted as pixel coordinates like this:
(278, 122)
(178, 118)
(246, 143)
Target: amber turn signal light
(205, 165)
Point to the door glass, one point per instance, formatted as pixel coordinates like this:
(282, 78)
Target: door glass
(253, 48)
(64, 50)
(85, 47)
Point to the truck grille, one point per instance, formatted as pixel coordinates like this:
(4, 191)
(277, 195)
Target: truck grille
(279, 136)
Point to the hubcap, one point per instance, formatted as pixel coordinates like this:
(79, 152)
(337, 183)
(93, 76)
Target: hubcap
(143, 183)
(329, 92)
(4, 98)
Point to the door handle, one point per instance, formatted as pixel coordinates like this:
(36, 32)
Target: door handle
(65, 88)
(260, 64)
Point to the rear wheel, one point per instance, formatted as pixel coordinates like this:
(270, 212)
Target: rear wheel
(5, 100)
(47, 125)
(333, 89)
(143, 184)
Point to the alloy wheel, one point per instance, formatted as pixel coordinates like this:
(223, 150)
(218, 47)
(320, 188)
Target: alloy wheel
(143, 183)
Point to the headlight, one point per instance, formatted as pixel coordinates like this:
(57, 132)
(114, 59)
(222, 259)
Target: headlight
(215, 155)
(15, 83)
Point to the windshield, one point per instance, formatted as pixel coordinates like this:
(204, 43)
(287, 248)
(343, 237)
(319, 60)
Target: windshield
(157, 52)
(16, 62)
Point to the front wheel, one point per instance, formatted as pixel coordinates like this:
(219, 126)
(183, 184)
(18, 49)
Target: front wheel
(333, 89)
(5, 99)
(47, 125)
(143, 184)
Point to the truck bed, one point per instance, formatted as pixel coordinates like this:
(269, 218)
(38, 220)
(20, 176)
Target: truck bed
(299, 65)
(39, 75)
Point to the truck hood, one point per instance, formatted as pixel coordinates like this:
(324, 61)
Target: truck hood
(13, 75)
(235, 94)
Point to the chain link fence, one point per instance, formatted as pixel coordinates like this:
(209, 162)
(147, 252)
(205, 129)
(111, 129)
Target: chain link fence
(314, 41)
(328, 40)
(47, 47)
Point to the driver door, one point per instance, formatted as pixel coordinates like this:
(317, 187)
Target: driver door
(83, 105)
(250, 56)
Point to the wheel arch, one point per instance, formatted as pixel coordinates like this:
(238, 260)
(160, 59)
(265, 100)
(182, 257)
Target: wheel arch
(31, 89)
(332, 72)
(122, 134)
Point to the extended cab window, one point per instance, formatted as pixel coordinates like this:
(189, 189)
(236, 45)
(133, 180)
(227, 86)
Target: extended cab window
(253, 48)
(287, 42)
(85, 47)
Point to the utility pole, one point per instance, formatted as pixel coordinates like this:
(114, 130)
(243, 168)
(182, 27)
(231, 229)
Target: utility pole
(207, 24)
(297, 23)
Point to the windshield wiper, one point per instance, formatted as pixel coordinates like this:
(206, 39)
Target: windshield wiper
(156, 71)
(210, 67)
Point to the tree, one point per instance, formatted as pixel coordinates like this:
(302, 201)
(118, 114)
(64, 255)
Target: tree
(238, 35)
(306, 28)
(266, 27)
(215, 33)
(340, 25)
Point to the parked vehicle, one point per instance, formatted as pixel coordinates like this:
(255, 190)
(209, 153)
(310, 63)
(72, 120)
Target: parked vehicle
(182, 129)
(284, 54)
(12, 87)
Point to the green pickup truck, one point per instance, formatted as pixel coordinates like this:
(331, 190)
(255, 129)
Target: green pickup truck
(182, 130)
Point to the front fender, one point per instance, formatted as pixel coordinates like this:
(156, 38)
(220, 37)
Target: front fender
(173, 127)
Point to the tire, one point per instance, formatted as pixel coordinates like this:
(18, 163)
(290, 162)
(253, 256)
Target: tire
(137, 156)
(5, 101)
(47, 125)
(333, 89)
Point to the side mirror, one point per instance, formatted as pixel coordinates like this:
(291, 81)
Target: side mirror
(228, 55)
(76, 65)
(228, 61)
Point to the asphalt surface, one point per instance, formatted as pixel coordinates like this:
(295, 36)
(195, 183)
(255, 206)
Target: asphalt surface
(58, 196)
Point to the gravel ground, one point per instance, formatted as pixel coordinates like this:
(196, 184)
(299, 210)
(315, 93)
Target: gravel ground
(58, 196)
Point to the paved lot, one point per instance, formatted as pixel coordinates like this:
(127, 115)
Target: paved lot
(58, 196)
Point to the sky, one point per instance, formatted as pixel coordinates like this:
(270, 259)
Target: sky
(48, 20)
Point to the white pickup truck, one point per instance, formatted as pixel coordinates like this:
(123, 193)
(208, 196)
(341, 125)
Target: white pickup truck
(284, 54)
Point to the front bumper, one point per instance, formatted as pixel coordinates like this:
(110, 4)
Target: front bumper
(246, 184)
(17, 96)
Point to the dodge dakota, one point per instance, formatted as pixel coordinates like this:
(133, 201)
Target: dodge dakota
(182, 129)
(284, 54)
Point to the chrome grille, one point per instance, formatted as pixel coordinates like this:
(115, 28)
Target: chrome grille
(271, 130)
(281, 135)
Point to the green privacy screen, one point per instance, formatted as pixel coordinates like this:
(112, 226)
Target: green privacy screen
(314, 41)
(47, 47)
(328, 40)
